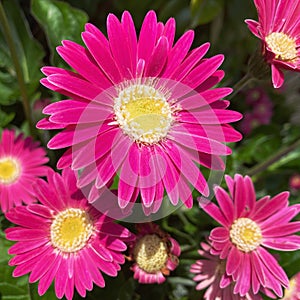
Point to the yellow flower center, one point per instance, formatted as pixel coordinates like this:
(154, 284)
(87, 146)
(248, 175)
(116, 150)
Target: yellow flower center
(9, 170)
(282, 46)
(245, 234)
(71, 230)
(143, 113)
(151, 253)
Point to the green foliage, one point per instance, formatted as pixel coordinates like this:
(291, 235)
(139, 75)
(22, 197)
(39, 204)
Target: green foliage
(29, 52)
(204, 11)
(60, 21)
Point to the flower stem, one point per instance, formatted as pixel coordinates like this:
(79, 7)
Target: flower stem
(19, 73)
(274, 158)
(243, 82)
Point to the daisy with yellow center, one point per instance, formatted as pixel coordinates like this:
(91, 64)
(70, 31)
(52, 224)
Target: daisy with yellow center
(144, 108)
(154, 254)
(249, 227)
(278, 28)
(62, 236)
(21, 164)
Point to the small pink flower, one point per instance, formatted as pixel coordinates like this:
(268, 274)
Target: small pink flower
(248, 123)
(293, 292)
(263, 110)
(64, 239)
(154, 254)
(253, 95)
(295, 182)
(278, 28)
(21, 163)
(210, 274)
(143, 108)
(248, 228)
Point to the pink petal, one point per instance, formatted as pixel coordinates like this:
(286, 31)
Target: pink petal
(22, 247)
(202, 72)
(281, 230)
(147, 36)
(211, 209)
(239, 198)
(169, 31)
(75, 86)
(102, 56)
(188, 168)
(190, 62)
(225, 203)
(253, 27)
(20, 234)
(216, 116)
(78, 60)
(42, 266)
(277, 76)
(129, 30)
(265, 209)
(273, 266)
(199, 143)
(243, 283)
(46, 280)
(84, 274)
(61, 279)
(219, 234)
(234, 260)
(112, 163)
(179, 52)
(158, 58)
(119, 46)
(290, 243)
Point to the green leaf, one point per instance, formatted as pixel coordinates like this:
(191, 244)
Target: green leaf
(204, 11)
(292, 160)
(29, 52)
(178, 9)
(60, 22)
(5, 118)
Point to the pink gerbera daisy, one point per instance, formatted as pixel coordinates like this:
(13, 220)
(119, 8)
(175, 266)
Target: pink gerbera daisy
(64, 238)
(249, 227)
(279, 29)
(21, 163)
(211, 275)
(144, 109)
(154, 254)
(293, 292)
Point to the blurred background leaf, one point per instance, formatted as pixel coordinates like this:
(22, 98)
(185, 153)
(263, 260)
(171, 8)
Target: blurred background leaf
(60, 21)
(29, 51)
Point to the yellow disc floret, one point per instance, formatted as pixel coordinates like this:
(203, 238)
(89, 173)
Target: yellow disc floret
(143, 113)
(71, 230)
(245, 234)
(283, 46)
(151, 253)
(9, 170)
